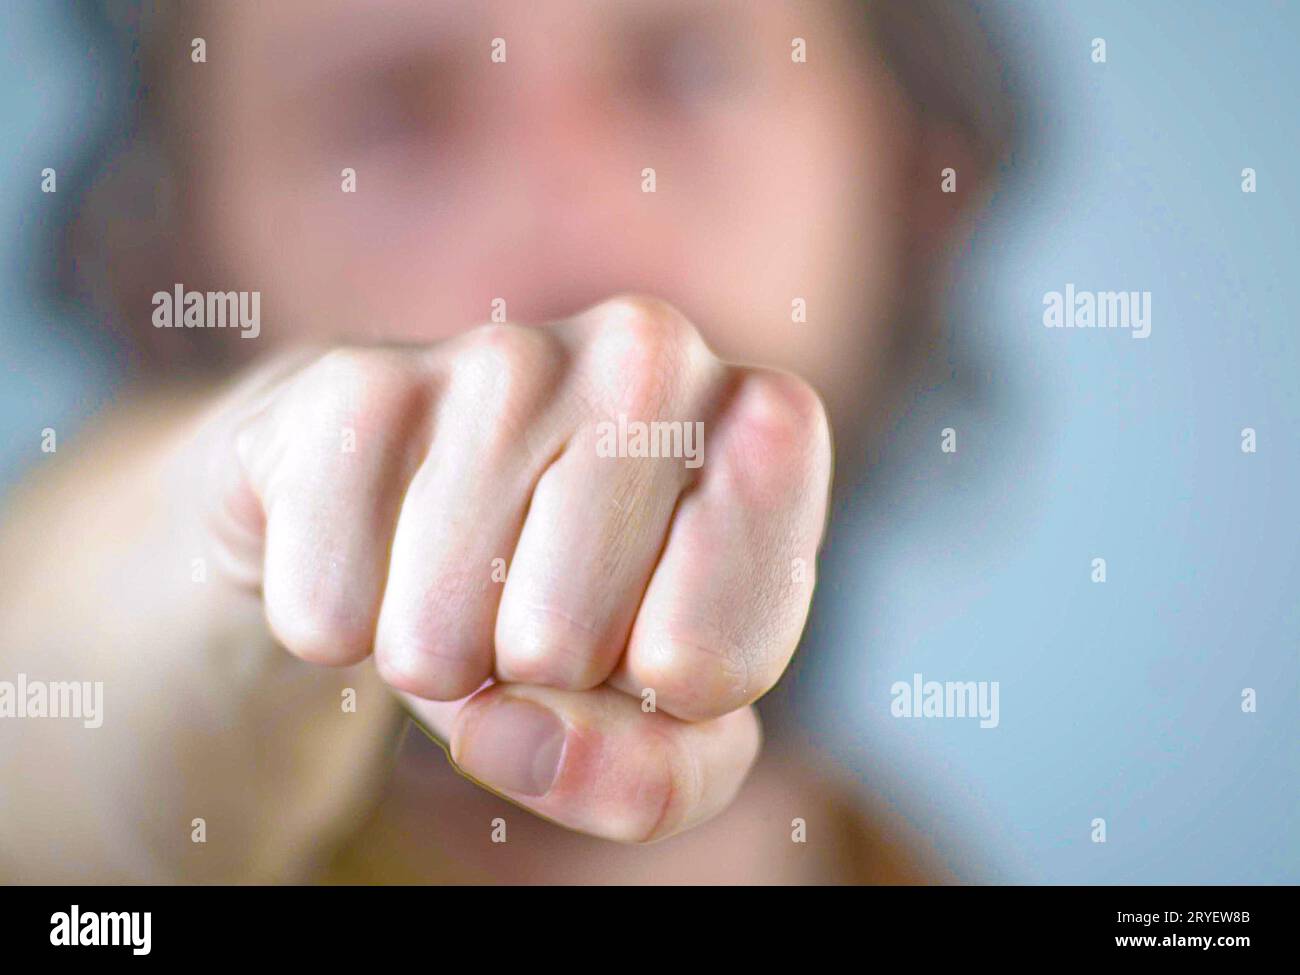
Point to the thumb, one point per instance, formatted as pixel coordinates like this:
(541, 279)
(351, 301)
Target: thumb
(594, 761)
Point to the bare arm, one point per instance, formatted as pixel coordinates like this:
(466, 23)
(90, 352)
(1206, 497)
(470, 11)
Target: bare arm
(203, 715)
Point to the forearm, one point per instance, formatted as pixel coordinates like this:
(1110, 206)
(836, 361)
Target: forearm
(106, 578)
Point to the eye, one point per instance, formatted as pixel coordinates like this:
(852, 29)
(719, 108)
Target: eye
(683, 65)
(397, 107)
(374, 122)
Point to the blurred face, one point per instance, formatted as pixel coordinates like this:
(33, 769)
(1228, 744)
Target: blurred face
(524, 179)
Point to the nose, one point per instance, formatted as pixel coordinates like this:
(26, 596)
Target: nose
(582, 228)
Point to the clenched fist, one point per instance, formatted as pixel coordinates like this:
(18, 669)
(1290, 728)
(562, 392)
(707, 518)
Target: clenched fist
(579, 552)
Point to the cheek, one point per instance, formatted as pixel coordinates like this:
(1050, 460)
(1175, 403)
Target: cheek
(810, 224)
(340, 265)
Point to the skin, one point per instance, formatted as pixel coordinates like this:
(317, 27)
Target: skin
(624, 573)
(373, 567)
(522, 181)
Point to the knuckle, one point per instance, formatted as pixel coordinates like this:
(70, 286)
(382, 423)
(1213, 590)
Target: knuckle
(514, 351)
(544, 645)
(783, 412)
(365, 386)
(780, 443)
(504, 374)
(321, 632)
(445, 670)
(644, 355)
(342, 370)
(649, 327)
(696, 677)
(434, 636)
(646, 334)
